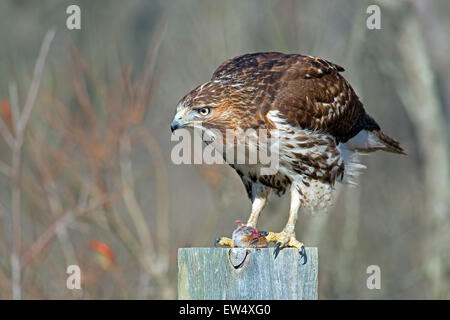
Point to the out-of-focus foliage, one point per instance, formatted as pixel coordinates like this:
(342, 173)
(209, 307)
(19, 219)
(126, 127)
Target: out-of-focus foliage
(94, 184)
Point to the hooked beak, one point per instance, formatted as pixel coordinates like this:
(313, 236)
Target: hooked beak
(176, 124)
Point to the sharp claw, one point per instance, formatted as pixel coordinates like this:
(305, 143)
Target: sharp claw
(216, 242)
(277, 250)
(254, 241)
(303, 254)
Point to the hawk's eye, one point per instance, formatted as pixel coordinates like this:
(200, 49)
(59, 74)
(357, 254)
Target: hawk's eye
(204, 111)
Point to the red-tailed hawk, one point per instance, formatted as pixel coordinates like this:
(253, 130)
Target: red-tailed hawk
(321, 122)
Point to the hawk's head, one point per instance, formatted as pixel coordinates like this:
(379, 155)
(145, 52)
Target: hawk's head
(212, 105)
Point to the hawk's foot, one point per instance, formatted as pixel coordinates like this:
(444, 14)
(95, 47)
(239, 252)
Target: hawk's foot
(285, 239)
(224, 242)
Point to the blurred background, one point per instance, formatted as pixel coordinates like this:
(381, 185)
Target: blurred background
(85, 170)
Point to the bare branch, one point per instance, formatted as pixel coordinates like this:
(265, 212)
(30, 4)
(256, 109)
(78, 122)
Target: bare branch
(44, 239)
(37, 76)
(16, 166)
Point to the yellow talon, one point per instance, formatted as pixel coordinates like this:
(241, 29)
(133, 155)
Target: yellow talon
(284, 239)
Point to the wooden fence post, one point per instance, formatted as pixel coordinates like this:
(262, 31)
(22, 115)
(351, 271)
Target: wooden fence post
(244, 273)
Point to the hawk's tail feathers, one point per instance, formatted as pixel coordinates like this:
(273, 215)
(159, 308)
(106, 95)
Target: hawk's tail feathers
(373, 140)
(388, 144)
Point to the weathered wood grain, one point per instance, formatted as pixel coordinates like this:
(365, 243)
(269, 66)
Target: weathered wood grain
(228, 274)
